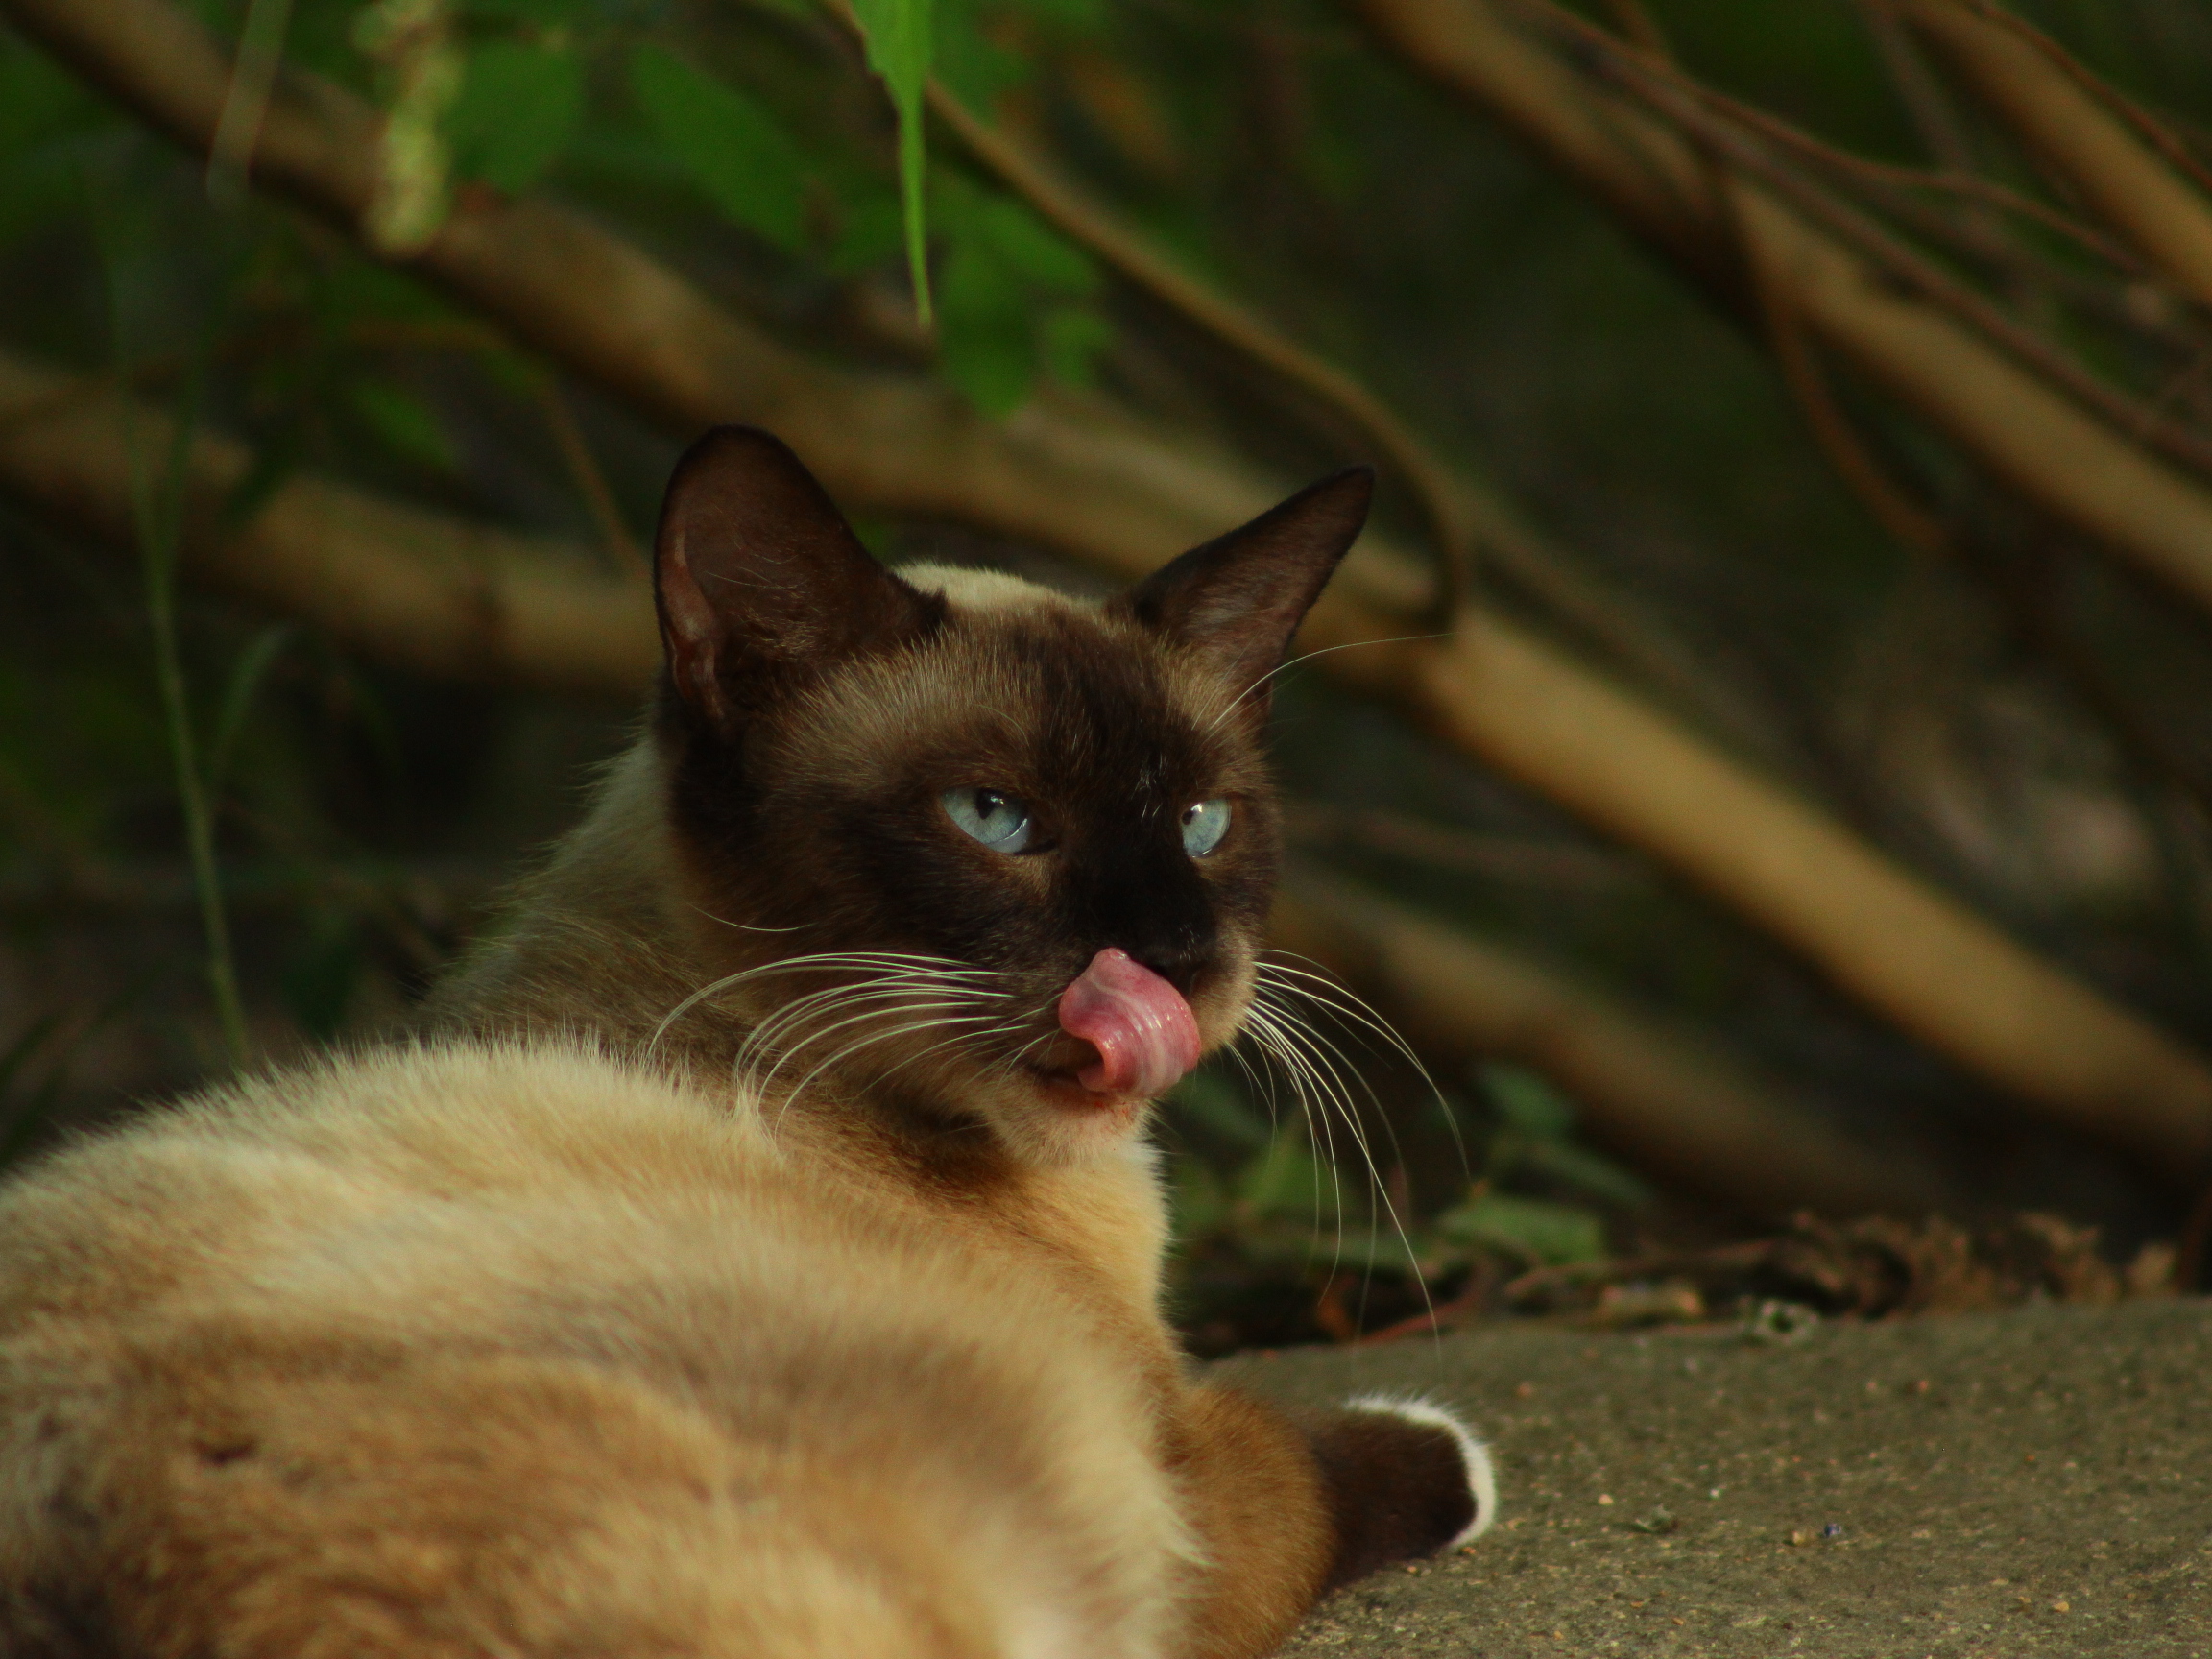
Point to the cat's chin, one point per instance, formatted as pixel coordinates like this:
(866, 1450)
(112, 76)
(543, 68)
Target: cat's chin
(1051, 1120)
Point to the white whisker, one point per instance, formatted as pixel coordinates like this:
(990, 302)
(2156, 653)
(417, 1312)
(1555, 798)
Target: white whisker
(1317, 1072)
(1308, 656)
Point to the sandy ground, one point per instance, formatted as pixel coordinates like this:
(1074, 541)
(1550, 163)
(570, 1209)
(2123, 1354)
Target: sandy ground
(2031, 1483)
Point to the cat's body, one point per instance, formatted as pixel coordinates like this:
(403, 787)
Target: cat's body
(761, 1256)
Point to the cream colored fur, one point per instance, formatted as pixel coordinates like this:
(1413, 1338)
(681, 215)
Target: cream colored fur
(488, 1348)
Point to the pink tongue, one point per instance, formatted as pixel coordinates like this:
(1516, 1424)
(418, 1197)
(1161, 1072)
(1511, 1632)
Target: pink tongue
(1138, 1022)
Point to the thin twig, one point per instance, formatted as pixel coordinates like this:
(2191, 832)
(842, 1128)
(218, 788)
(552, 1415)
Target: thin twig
(1066, 207)
(622, 547)
(252, 77)
(1588, 37)
(1893, 506)
(1463, 521)
(1636, 22)
(1918, 272)
(2154, 132)
(2069, 127)
(1507, 858)
(2172, 324)
(1923, 95)
(157, 509)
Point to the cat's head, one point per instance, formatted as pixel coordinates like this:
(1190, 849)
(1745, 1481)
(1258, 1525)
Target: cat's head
(969, 846)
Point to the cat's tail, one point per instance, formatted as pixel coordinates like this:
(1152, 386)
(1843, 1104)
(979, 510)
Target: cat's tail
(1406, 1477)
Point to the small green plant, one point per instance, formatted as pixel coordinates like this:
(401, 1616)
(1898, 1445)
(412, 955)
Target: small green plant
(1264, 1204)
(157, 507)
(1534, 1139)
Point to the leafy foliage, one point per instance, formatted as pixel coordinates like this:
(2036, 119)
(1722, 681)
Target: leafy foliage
(736, 151)
(901, 40)
(520, 106)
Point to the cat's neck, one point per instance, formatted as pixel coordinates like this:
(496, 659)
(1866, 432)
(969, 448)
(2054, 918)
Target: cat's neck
(600, 941)
(604, 941)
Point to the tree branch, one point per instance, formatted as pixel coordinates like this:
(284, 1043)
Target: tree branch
(2012, 70)
(399, 583)
(1673, 1107)
(1469, 523)
(1076, 477)
(2041, 443)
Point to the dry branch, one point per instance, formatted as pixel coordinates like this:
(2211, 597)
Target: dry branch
(1960, 985)
(1077, 478)
(1471, 526)
(2076, 135)
(1673, 1107)
(2055, 453)
(399, 584)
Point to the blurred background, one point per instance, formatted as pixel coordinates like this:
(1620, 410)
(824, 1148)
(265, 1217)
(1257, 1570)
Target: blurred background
(1757, 759)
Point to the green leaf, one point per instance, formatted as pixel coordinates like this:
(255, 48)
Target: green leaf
(986, 344)
(735, 150)
(1220, 1111)
(1080, 14)
(976, 68)
(1072, 338)
(1003, 260)
(358, 288)
(1553, 1234)
(405, 422)
(1578, 1166)
(870, 234)
(37, 99)
(898, 39)
(1287, 1180)
(1528, 1102)
(1032, 249)
(1195, 1199)
(43, 115)
(518, 108)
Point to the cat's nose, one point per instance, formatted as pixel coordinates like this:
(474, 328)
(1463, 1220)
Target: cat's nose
(1179, 962)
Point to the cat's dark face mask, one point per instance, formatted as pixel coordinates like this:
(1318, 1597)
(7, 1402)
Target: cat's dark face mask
(995, 855)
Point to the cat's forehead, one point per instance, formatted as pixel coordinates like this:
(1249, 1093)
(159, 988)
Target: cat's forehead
(1030, 674)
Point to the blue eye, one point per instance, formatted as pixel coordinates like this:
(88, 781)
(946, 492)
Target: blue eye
(1000, 822)
(1203, 827)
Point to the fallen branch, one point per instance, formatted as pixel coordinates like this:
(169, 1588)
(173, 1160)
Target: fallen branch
(1076, 477)
(1672, 1107)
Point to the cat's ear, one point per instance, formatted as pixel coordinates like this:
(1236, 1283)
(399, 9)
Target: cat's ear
(761, 582)
(1235, 601)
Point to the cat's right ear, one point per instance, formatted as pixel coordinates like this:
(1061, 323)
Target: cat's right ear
(1235, 602)
(760, 583)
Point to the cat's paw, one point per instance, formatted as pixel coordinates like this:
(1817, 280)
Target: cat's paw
(1406, 1478)
(1481, 1481)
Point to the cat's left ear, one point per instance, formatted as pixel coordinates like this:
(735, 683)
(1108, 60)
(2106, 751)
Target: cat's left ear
(1235, 601)
(761, 582)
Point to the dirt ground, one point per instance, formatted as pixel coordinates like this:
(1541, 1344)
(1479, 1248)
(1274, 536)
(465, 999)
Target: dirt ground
(1988, 1486)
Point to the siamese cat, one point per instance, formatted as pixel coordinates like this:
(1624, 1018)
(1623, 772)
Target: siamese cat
(758, 1252)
